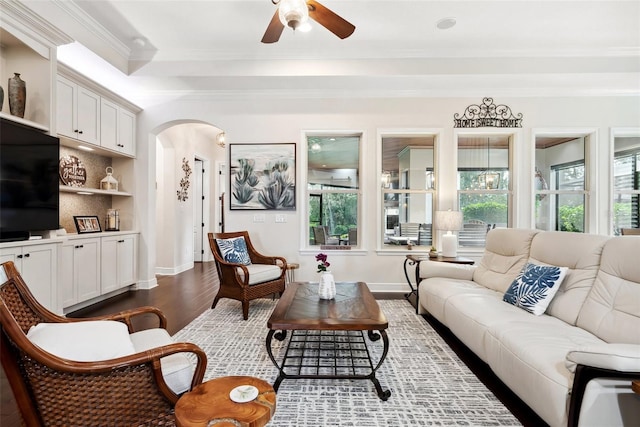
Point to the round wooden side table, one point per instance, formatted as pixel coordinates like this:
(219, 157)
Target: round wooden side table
(291, 267)
(209, 404)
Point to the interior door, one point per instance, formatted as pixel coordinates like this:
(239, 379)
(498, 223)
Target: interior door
(198, 217)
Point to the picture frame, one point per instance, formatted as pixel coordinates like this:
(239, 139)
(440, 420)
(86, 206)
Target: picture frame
(87, 224)
(262, 176)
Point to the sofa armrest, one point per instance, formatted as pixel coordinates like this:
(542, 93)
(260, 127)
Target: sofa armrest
(444, 269)
(618, 357)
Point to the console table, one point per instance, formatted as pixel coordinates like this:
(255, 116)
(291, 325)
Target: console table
(412, 260)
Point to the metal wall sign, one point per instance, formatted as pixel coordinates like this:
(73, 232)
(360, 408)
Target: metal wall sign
(487, 114)
(72, 172)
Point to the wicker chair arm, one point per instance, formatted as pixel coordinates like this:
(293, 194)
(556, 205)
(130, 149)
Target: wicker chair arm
(126, 316)
(112, 367)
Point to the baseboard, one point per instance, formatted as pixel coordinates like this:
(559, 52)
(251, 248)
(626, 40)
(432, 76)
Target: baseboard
(172, 271)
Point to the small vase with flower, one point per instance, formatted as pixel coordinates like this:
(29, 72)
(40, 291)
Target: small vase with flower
(326, 285)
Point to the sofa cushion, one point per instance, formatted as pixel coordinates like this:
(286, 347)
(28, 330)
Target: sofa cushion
(435, 291)
(581, 254)
(528, 355)
(506, 252)
(86, 341)
(611, 310)
(234, 250)
(177, 369)
(259, 273)
(535, 287)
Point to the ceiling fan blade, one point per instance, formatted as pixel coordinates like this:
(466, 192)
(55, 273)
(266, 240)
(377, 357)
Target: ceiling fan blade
(330, 20)
(274, 30)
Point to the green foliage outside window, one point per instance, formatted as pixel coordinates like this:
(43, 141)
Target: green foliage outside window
(571, 218)
(490, 212)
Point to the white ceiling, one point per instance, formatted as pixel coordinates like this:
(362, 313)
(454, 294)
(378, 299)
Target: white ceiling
(501, 48)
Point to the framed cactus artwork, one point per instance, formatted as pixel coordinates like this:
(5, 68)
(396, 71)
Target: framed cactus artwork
(262, 176)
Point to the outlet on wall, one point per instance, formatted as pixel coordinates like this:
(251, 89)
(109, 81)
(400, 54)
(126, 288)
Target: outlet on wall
(258, 218)
(281, 218)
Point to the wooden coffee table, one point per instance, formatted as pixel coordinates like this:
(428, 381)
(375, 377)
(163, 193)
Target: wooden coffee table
(328, 336)
(209, 404)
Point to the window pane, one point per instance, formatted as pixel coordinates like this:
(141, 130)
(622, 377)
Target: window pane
(333, 162)
(332, 182)
(483, 163)
(626, 183)
(480, 213)
(570, 212)
(560, 168)
(407, 163)
(411, 221)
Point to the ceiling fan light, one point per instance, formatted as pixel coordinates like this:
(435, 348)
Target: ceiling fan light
(293, 13)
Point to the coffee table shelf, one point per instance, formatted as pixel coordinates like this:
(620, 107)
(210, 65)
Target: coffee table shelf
(328, 339)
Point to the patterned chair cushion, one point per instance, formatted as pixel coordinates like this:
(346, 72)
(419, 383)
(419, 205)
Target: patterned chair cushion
(234, 250)
(535, 287)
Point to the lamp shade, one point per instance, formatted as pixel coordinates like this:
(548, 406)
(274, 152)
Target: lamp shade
(448, 220)
(293, 13)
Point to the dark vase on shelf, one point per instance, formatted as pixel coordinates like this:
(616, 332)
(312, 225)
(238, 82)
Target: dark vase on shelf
(1, 98)
(17, 95)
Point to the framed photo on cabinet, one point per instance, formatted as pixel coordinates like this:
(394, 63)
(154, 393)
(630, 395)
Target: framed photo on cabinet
(87, 224)
(262, 176)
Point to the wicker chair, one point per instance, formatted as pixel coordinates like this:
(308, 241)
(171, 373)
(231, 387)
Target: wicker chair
(53, 391)
(235, 280)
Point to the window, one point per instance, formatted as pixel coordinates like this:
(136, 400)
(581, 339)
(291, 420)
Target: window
(626, 183)
(408, 186)
(560, 183)
(333, 189)
(483, 186)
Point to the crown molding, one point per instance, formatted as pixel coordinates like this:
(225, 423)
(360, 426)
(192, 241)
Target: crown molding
(36, 32)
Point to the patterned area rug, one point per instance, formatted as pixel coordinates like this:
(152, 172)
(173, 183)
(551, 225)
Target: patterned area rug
(429, 385)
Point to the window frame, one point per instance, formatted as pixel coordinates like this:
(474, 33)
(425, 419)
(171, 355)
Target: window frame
(617, 133)
(514, 136)
(437, 135)
(307, 193)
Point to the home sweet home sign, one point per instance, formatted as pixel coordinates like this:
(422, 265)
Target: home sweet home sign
(487, 114)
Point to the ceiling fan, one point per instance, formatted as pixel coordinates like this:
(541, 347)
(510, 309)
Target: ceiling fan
(293, 13)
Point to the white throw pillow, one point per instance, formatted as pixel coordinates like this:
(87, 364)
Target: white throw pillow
(535, 287)
(88, 341)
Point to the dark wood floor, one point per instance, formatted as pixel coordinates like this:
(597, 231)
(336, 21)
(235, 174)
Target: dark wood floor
(185, 296)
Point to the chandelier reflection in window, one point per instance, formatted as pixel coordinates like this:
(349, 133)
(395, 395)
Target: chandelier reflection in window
(430, 178)
(489, 180)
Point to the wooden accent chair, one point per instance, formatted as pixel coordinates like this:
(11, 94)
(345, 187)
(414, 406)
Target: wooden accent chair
(247, 282)
(53, 391)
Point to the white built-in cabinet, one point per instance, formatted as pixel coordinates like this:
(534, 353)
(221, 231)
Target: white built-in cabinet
(117, 128)
(79, 275)
(96, 265)
(89, 113)
(118, 261)
(38, 266)
(77, 111)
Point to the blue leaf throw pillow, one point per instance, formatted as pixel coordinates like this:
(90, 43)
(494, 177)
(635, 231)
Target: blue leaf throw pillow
(535, 287)
(234, 250)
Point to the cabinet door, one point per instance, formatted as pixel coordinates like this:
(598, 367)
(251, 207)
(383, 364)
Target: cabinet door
(65, 107)
(127, 132)
(39, 270)
(109, 264)
(66, 282)
(126, 249)
(88, 114)
(109, 125)
(86, 260)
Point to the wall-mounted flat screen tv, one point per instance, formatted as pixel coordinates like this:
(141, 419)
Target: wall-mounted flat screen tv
(29, 191)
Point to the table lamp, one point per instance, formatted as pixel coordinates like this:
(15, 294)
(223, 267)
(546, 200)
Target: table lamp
(449, 221)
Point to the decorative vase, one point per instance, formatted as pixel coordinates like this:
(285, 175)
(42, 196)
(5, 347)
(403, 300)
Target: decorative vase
(326, 286)
(17, 95)
(1, 98)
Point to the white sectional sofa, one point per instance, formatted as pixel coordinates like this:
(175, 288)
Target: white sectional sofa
(572, 365)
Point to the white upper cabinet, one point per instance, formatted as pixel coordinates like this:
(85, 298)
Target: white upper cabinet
(78, 112)
(117, 128)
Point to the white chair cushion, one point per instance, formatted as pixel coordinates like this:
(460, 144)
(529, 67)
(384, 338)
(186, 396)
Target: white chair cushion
(177, 369)
(259, 273)
(88, 341)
